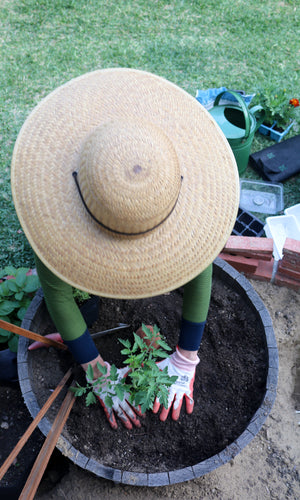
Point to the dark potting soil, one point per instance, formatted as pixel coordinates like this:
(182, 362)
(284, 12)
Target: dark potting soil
(229, 387)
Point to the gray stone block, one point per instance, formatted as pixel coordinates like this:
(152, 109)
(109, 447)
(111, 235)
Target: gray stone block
(158, 479)
(181, 475)
(103, 471)
(207, 466)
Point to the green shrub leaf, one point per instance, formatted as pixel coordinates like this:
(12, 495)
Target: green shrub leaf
(21, 277)
(12, 285)
(21, 312)
(13, 343)
(9, 271)
(7, 307)
(4, 335)
(32, 284)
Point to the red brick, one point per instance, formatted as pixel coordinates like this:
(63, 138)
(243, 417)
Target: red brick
(249, 244)
(291, 246)
(252, 255)
(263, 271)
(295, 274)
(290, 264)
(282, 280)
(242, 264)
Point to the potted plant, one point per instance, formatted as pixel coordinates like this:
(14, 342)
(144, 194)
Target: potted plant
(279, 112)
(235, 386)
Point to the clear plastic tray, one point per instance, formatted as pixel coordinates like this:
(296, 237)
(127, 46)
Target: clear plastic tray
(261, 197)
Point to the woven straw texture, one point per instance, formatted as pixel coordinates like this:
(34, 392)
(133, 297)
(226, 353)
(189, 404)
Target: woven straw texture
(197, 172)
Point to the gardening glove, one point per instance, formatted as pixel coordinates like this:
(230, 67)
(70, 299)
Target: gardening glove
(38, 345)
(125, 412)
(185, 370)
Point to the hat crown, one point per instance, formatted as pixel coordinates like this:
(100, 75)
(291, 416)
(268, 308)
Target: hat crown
(129, 175)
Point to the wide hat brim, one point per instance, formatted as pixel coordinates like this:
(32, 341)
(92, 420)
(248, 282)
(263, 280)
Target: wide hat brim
(63, 234)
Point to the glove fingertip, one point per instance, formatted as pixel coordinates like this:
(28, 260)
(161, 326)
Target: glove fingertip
(189, 405)
(34, 346)
(164, 414)
(156, 406)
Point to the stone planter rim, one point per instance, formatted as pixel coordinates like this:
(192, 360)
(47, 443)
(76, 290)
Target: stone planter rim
(239, 283)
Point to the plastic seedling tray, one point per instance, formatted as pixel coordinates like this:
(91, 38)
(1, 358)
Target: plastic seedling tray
(261, 197)
(279, 228)
(247, 225)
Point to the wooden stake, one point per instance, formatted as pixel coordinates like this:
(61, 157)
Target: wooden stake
(31, 335)
(5, 466)
(43, 457)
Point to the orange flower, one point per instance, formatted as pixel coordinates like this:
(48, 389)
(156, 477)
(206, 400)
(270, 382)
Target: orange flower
(294, 102)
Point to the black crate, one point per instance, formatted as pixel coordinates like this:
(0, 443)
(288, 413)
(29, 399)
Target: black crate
(247, 225)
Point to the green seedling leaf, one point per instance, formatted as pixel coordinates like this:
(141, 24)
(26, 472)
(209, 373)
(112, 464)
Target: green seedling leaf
(161, 354)
(113, 373)
(140, 343)
(78, 390)
(148, 333)
(163, 344)
(102, 368)
(108, 401)
(125, 351)
(120, 391)
(125, 343)
(90, 372)
(90, 399)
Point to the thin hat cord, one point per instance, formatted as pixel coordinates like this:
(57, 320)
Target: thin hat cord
(75, 176)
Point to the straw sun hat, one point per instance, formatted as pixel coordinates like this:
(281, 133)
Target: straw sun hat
(124, 184)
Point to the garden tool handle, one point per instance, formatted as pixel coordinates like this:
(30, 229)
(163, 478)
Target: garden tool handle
(260, 117)
(243, 106)
(31, 335)
(40, 464)
(23, 440)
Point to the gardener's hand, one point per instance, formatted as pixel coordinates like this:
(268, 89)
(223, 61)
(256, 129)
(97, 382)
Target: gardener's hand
(185, 370)
(126, 413)
(52, 336)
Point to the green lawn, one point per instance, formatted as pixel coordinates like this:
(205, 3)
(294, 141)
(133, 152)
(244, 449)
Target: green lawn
(196, 44)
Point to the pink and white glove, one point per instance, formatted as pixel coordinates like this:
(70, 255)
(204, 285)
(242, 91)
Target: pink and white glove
(38, 344)
(125, 412)
(185, 370)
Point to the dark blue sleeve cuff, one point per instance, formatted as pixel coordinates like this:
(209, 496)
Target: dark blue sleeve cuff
(190, 335)
(83, 348)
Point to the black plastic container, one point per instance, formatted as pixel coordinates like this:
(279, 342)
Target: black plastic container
(247, 225)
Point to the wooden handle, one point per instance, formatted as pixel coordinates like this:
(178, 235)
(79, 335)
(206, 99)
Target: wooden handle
(43, 457)
(31, 335)
(5, 466)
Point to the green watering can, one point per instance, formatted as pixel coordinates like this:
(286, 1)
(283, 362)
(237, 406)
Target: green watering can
(239, 124)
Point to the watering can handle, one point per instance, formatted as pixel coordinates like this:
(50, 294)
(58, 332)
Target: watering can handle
(243, 106)
(260, 118)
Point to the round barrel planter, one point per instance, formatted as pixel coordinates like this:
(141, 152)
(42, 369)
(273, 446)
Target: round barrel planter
(35, 320)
